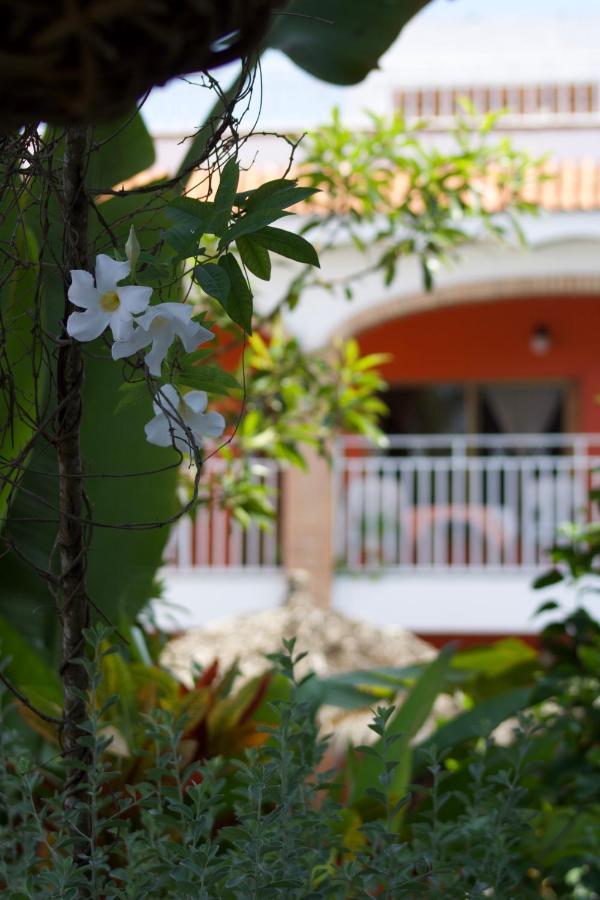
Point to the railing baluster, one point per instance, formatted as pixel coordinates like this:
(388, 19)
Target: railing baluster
(372, 512)
(510, 513)
(184, 542)
(424, 510)
(202, 535)
(458, 501)
(270, 536)
(355, 512)
(389, 484)
(494, 524)
(528, 504)
(440, 500)
(476, 532)
(406, 512)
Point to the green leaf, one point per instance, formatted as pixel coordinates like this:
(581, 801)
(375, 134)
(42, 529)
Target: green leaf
(225, 196)
(27, 669)
(131, 392)
(254, 256)
(207, 378)
(214, 281)
(340, 41)
(196, 215)
(250, 223)
(496, 659)
(476, 722)
(131, 150)
(553, 576)
(238, 303)
(361, 689)
(288, 244)
(404, 724)
(280, 193)
(17, 314)
(192, 219)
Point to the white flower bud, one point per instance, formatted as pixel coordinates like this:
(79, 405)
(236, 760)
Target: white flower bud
(132, 248)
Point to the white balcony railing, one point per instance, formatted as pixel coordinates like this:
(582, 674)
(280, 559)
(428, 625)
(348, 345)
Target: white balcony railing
(476, 501)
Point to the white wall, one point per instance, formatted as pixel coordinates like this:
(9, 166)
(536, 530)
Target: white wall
(449, 602)
(453, 602)
(562, 245)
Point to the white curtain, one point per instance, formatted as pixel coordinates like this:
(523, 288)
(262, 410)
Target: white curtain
(523, 410)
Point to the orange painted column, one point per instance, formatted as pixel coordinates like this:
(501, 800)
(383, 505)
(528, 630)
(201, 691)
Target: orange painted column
(307, 524)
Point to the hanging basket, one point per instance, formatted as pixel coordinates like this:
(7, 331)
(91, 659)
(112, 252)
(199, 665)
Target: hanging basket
(85, 61)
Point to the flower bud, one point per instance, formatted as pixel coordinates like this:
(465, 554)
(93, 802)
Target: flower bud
(132, 249)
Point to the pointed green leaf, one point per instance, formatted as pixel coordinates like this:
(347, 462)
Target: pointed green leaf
(225, 197)
(281, 193)
(214, 281)
(255, 257)
(288, 244)
(207, 378)
(252, 222)
(238, 303)
(192, 219)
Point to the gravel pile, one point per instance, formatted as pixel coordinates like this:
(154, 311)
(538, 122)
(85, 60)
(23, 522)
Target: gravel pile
(334, 643)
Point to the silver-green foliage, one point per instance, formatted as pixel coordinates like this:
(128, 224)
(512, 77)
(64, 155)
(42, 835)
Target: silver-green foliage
(271, 825)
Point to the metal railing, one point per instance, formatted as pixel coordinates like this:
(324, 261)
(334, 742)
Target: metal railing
(214, 539)
(548, 102)
(462, 501)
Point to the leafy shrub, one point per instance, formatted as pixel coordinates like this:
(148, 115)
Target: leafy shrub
(478, 819)
(277, 826)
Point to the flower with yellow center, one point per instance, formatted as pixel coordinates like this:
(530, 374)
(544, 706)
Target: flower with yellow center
(159, 326)
(174, 410)
(105, 303)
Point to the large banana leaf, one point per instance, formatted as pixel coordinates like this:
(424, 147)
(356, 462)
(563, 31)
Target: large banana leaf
(340, 41)
(19, 362)
(122, 563)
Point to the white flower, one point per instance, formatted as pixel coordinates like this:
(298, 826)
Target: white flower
(105, 303)
(160, 325)
(170, 406)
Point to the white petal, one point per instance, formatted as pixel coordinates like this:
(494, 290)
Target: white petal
(134, 298)
(192, 335)
(210, 425)
(87, 325)
(157, 431)
(81, 290)
(169, 397)
(160, 347)
(121, 349)
(109, 272)
(165, 432)
(181, 311)
(196, 400)
(121, 324)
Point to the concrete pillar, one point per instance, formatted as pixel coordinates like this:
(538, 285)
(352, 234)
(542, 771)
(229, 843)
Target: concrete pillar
(307, 524)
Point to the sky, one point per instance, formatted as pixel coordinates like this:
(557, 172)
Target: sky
(292, 98)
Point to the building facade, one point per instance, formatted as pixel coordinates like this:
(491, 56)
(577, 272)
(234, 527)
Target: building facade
(494, 424)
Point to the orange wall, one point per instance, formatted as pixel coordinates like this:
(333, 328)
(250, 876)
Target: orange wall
(490, 341)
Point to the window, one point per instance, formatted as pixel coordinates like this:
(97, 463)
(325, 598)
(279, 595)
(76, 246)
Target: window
(500, 408)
